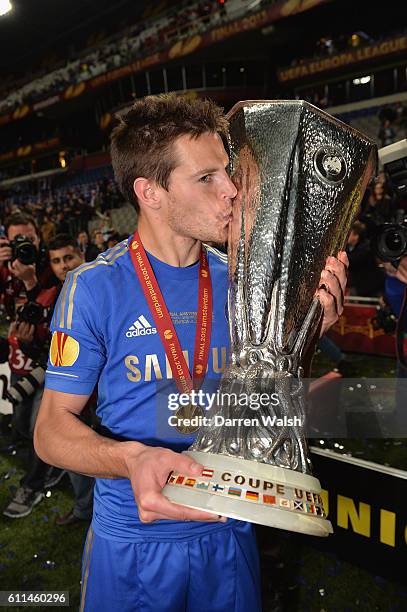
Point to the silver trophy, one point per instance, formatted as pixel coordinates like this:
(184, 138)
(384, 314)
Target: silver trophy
(301, 175)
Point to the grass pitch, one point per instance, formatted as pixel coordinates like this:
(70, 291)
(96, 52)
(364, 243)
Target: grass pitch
(35, 554)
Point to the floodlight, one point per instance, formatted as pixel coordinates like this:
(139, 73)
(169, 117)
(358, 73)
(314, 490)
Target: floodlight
(5, 7)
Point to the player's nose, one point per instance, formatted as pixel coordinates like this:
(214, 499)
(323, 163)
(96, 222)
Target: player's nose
(229, 189)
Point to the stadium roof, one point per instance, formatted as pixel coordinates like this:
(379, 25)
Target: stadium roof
(37, 27)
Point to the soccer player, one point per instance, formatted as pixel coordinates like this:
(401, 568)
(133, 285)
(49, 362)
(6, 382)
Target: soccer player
(111, 328)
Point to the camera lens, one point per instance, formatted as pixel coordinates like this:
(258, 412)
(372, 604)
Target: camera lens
(24, 250)
(32, 313)
(394, 242)
(26, 253)
(391, 242)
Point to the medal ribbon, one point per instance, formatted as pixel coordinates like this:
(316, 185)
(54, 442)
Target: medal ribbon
(165, 327)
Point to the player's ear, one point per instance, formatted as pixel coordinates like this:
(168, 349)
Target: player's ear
(147, 193)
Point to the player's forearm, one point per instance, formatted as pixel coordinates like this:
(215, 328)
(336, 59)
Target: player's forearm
(64, 441)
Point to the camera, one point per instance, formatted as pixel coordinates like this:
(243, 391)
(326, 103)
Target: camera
(32, 313)
(26, 386)
(23, 249)
(393, 158)
(390, 241)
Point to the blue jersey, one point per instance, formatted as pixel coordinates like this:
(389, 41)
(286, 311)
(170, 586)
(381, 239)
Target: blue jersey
(104, 335)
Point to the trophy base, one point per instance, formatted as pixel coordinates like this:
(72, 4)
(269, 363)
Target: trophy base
(253, 492)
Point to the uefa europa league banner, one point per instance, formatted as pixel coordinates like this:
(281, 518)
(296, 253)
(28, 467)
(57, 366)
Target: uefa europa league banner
(301, 175)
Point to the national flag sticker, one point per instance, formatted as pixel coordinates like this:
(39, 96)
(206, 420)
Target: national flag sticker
(318, 499)
(171, 479)
(269, 499)
(207, 473)
(217, 488)
(190, 482)
(298, 505)
(235, 491)
(285, 503)
(180, 480)
(202, 485)
(252, 496)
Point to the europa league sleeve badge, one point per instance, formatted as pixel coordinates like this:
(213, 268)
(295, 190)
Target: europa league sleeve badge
(300, 175)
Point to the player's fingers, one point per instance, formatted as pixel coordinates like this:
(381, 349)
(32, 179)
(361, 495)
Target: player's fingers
(343, 257)
(170, 461)
(331, 285)
(338, 269)
(153, 505)
(150, 517)
(328, 304)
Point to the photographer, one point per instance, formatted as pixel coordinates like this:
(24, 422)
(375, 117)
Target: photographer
(365, 277)
(25, 283)
(34, 339)
(24, 273)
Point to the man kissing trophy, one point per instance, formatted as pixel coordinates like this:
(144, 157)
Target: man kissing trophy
(301, 175)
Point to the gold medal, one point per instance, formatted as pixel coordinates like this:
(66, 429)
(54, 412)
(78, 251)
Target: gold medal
(188, 419)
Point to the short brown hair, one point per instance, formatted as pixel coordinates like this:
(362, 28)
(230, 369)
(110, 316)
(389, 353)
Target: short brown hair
(20, 218)
(141, 144)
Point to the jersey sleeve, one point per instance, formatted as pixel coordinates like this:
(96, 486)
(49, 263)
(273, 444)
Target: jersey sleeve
(77, 353)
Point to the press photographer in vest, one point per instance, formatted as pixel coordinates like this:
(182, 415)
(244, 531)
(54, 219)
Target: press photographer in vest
(24, 274)
(29, 297)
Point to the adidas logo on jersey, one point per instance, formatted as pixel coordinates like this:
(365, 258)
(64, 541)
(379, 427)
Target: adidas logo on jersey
(140, 327)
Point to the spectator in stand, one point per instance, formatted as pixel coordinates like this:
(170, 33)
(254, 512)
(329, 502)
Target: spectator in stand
(94, 201)
(114, 239)
(386, 133)
(106, 227)
(89, 251)
(98, 240)
(380, 208)
(62, 226)
(142, 40)
(82, 212)
(83, 243)
(381, 178)
(47, 229)
(365, 278)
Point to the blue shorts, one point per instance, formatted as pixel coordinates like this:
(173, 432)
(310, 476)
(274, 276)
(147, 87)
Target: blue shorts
(215, 571)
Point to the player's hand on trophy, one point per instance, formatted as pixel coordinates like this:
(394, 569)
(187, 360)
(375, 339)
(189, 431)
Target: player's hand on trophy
(331, 289)
(148, 473)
